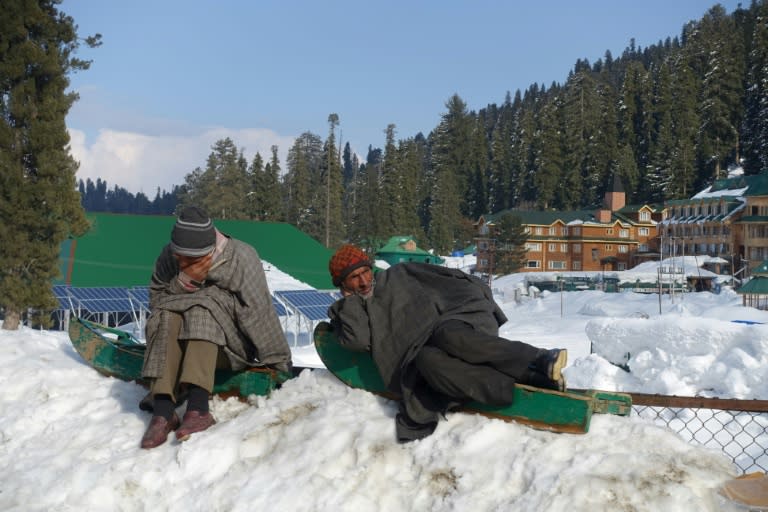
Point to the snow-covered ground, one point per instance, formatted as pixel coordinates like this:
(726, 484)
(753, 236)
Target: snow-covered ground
(69, 437)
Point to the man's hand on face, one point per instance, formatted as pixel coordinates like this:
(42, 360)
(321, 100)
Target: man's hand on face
(196, 268)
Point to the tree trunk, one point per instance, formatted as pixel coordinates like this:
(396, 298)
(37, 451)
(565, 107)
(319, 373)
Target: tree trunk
(12, 317)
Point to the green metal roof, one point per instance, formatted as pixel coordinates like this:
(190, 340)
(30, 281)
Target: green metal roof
(758, 285)
(761, 269)
(544, 218)
(634, 208)
(394, 246)
(756, 184)
(120, 250)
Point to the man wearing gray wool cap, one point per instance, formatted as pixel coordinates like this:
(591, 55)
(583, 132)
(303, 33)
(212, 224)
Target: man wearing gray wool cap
(210, 307)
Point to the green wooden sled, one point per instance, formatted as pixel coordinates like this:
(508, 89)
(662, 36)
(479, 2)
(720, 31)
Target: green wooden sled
(116, 353)
(539, 408)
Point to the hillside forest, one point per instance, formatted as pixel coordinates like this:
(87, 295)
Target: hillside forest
(668, 119)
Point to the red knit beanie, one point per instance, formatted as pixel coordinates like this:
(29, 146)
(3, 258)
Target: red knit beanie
(346, 259)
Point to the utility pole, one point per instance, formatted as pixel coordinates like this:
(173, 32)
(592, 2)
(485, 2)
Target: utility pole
(333, 120)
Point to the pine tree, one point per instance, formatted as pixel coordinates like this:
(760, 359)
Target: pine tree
(636, 120)
(717, 57)
(39, 202)
(367, 224)
(272, 205)
(511, 237)
(389, 205)
(255, 193)
(500, 175)
(548, 157)
(351, 183)
(450, 160)
(755, 126)
(411, 158)
(303, 166)
(328, 199)
(221, 189)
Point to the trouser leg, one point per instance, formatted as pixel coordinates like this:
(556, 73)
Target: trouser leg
(166, 383)
(192, 362)
(460, 340)
(464, 381)
(199, 364)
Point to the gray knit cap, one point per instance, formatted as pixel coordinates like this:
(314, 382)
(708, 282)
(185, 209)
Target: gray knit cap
(193, 234)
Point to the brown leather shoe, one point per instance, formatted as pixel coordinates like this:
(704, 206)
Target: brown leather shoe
(194, 421)
(158, 430)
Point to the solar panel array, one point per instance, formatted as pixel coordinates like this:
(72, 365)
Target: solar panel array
(94, 299)
(114, 299)
(312, 304)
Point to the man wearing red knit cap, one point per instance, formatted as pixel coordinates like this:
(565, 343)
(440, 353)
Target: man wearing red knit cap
(433, 335)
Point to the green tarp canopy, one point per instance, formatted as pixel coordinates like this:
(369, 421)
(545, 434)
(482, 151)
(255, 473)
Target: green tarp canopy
(120, 250)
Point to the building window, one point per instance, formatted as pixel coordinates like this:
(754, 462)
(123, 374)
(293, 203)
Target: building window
(623, 233)
(533, 264)
(576, 265)
(608, 247)
(621, 266)
(556, 265)
(623, 249)
(609, 231)
(645, 215)
(563, 247)
(577, 231)
(643, 231)
(533, 246)
(577, 248)
(564, 231)
(643, 248)
(552, 247)
(539, 231)
(552, 231)
(482, 245)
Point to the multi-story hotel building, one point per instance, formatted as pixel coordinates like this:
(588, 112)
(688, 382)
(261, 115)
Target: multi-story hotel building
(614, 237)
(728, 220)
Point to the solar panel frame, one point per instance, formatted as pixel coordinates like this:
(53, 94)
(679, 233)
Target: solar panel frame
(313, 304)
(280, 309)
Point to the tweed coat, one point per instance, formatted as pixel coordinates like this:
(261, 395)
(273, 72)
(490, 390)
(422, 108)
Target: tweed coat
(409, 301)
(233, 310)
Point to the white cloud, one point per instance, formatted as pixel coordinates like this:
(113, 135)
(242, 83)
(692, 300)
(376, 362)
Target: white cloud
(142, 163)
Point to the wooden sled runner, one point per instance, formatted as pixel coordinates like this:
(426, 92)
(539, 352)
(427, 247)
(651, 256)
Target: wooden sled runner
(116, 353)
(569, 412)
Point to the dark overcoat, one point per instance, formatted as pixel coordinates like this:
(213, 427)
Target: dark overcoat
(409, 301)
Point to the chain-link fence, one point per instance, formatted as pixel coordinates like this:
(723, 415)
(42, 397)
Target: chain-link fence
(738, 428)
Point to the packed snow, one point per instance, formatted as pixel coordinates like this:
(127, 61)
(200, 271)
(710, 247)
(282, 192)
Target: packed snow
(69, 437)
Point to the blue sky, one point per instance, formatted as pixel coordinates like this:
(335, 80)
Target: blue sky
(173, 77)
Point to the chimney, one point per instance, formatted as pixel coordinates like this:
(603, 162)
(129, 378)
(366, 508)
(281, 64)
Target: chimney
(616, 199)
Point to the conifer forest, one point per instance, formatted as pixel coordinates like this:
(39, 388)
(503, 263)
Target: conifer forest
(668, 119)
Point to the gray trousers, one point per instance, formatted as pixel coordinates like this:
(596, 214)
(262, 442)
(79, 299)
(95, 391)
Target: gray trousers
(464, 364)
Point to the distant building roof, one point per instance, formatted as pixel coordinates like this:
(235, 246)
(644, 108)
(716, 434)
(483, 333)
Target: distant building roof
(405, 245)
(737, 185)
(758, 285)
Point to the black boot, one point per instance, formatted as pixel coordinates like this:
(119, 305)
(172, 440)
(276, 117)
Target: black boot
(539, 380)
(551, 362)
